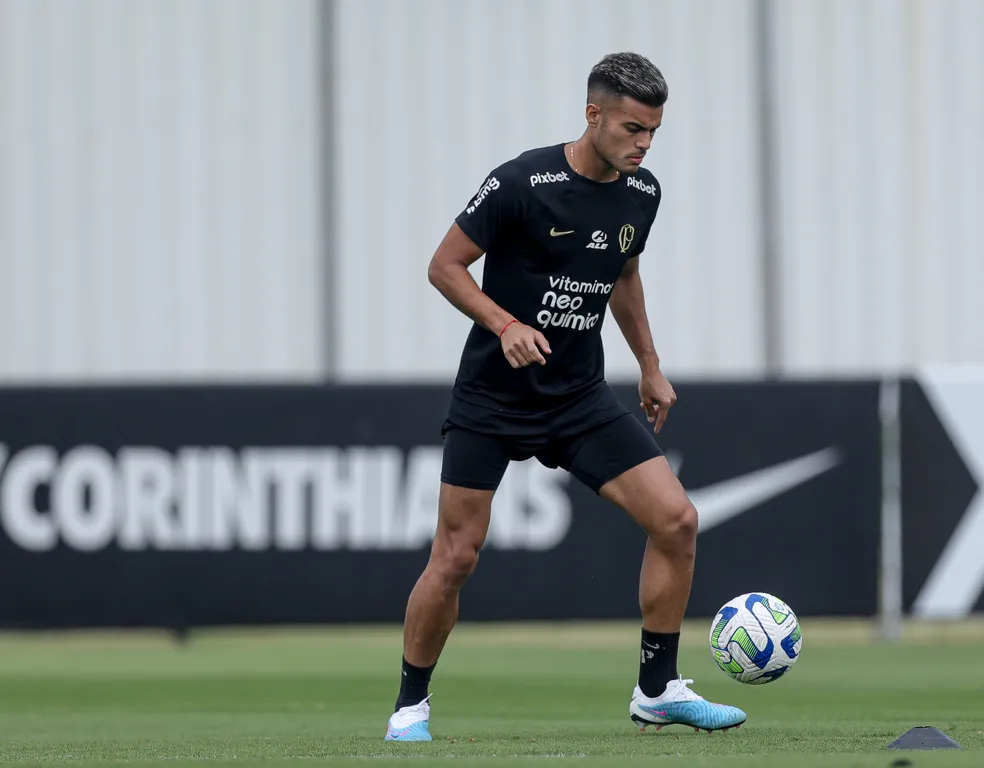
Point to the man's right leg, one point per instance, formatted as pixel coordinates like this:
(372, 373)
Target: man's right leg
(473, 467)
(463, 522)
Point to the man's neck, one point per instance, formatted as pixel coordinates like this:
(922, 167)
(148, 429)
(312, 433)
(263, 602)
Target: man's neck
(583, 160)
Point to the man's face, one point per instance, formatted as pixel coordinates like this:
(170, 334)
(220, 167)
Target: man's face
(623, 131)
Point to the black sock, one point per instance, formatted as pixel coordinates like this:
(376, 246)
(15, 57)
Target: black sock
(657, 662)
(413, 684)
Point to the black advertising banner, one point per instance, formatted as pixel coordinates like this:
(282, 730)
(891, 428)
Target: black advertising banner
(203, 506)
(786, 480)
(942, 468)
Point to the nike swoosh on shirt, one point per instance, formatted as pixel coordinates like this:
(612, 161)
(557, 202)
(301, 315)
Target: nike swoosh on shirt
(719, 502)
(555, 233)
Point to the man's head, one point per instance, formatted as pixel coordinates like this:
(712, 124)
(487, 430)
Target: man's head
(626, 94)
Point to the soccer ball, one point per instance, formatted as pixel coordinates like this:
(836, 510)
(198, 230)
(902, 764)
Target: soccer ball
(755, 638)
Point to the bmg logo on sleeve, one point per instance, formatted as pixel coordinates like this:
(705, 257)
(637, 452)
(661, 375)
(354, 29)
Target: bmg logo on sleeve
(491, 184)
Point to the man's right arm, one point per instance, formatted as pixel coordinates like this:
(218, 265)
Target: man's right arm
(448, 272)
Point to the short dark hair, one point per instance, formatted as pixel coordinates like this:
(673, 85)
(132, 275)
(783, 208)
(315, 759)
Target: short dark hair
(628, 74)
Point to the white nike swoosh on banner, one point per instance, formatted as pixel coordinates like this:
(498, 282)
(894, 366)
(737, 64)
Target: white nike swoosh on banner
(719, 502)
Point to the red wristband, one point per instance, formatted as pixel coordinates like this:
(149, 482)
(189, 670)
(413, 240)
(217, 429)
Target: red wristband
(506, 326)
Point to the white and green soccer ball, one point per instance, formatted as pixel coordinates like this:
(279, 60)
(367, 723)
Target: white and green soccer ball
(755, 638)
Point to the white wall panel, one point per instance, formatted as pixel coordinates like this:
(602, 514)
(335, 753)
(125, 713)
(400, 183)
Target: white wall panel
(432, 94)
(881, 138)
(159, 189)
(159, 193)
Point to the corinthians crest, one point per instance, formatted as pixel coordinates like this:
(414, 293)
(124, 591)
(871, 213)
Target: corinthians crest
(625, 237)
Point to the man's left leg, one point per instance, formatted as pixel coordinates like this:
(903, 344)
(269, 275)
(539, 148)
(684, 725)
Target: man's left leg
(622, 462)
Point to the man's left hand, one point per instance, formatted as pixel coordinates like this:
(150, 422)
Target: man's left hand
(656, 397)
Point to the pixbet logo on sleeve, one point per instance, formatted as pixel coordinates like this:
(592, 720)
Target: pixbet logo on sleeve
(641, 186)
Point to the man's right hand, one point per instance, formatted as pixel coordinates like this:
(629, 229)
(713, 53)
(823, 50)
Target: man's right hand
(520, 345)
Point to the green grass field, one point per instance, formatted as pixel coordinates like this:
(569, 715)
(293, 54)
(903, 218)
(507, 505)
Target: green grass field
(502, 696)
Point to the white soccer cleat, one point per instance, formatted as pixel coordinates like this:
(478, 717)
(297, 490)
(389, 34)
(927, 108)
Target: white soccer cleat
(410, 723)
(678, 705)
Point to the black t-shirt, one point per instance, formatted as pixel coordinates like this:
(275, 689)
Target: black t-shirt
(555, 244)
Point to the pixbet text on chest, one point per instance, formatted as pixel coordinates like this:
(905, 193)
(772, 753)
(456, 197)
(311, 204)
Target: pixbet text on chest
(564, 298)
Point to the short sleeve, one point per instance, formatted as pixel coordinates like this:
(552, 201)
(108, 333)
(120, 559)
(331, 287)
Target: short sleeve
(651, 211)
(492, 210)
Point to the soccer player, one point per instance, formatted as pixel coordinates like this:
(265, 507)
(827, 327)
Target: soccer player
(563, 228)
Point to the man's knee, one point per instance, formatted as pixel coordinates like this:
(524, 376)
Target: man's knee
(463, 522)
(458, 559)
(656, 500)
(675, 528)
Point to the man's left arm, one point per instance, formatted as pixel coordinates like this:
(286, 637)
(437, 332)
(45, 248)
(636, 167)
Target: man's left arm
(628, 305)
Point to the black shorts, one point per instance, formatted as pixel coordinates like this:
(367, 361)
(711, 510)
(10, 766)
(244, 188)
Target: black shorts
(595, 456)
